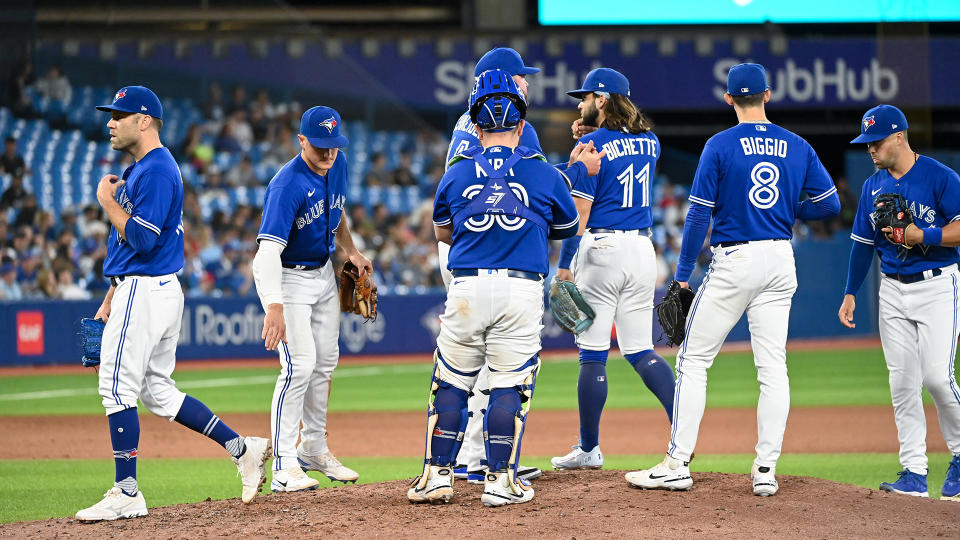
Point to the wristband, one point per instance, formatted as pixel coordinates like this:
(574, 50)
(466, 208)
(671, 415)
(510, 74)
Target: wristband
(933, 236)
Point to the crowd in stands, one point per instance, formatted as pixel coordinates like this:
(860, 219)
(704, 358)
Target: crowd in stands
(229, 154)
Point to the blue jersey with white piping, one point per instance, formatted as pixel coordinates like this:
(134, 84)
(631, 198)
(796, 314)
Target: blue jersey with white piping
(621, 190)
(502, 241)
(303, 209)
(932, 191)
(153, 196)
(752, 176)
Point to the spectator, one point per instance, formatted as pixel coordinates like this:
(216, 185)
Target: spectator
(47, 284)
(240, 129)
(69, 288)
(9, 288)
(213, 109)
(55, 86)
(21, 79)
(378, 175)
(11, 162)
(242, 174)
(402, 176)
(283, 148)
(15, 195)
(28, 212)
(239, 100)
(226, 142)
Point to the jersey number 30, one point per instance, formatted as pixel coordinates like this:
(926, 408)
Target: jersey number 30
(627, 177)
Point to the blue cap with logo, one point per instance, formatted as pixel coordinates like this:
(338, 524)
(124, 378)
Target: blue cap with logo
(505, 59)
(747, 79)
(135, 99)
(603, 80)
(321, 126)
(879, 123)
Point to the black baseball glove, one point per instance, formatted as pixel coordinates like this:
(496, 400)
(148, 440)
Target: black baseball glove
(672, 312)
(891, 210)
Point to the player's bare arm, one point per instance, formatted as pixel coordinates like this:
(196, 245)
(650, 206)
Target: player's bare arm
(345, 242)
(104, 312)
(106, 196)
(846, 311)
(444, 233)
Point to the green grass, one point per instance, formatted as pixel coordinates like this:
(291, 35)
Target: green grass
(58, 488)
(817, 378)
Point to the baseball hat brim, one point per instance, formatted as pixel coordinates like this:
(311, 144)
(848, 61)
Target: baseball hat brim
(338, 141)
(869, 138)
(109, 108)
(527, 70)
(579, 93)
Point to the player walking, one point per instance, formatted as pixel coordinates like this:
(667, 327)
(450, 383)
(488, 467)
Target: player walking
(301, 227)
(497, 205)
(144, 307)
(749, 179)
(918, 292)
(615, 267)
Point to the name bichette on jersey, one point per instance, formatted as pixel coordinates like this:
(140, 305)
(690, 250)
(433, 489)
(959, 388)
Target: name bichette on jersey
(629, 146)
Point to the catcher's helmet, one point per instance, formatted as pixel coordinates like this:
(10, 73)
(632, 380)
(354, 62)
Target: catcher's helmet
(496, 103)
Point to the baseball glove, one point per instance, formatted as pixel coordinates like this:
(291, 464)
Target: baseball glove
(891, 210)
(91, 333)
(569, 308)
(358, 292)
(672, 312)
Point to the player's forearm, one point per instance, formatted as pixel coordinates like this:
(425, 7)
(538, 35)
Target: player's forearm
(117, 215)
(267, 272)
(444, 233)
(344, 237)
(694, 232)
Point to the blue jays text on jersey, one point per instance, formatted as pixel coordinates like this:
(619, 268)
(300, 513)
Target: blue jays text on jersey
(507, 240)
(933, 192)
(762, 169)
(621, 191)
(153, 196)
(303, 209)
(465, 135)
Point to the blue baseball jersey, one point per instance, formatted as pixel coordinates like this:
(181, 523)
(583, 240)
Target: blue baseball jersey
(752, 175)
(621, 190)
(498, 241)
(465, 135)
(933, 192)
(153, 196)
(303, 209)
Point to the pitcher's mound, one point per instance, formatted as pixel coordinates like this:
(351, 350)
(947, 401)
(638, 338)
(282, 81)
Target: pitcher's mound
(568, 504)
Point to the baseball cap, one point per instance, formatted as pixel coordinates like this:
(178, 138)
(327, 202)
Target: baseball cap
(503, 58)
(603, 80)
(746, 79)
(321, 126)
(135, 99)
(879, 123)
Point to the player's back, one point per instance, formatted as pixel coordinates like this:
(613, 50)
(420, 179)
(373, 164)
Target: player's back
(621, 190)
(465, 135)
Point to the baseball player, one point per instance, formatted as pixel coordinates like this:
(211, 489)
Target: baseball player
(144, 306)
(615, 267)
(749, 179)
(496, 205)
(302, 225)
(918, 292)
(465, 135)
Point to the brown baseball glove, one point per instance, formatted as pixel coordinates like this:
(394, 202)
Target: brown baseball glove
(358, 292)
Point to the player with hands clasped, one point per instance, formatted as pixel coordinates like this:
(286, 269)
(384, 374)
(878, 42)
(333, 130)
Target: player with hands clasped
(144, 306)
(497, 205)
(909, 214)
(749, 180)
(302, 225)
(615, 264)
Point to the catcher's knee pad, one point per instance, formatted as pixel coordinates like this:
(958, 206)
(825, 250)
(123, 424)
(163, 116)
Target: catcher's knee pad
(447, 417)
(504, 421)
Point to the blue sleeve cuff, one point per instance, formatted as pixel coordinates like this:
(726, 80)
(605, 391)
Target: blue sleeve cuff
(694, 233)
(861, 255)
(567, 250)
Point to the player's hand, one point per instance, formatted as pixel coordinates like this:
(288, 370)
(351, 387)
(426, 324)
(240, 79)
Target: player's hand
(846, 311)
(579, 130)
(575, 153)
(564, 274)
(108, 186)
(274, 327)
(104, 312)
(684, 284)
(912, 235)
(361, 262)
(591, 158)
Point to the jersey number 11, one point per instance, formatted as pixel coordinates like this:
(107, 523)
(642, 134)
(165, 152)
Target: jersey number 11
(643, 178)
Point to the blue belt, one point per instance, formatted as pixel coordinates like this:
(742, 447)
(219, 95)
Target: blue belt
(522, 274)
(919, 276)
(642, 232)
(301, 266)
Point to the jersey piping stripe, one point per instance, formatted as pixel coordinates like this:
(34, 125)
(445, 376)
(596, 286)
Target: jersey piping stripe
(823, 195)
(444, 222)
(283, 392)
(566, 225)
(683, 349)
(146, 224)
(953, 349)
(581, 195)
(704, 202)
(862, 240)
(123, 335)
(955, 218)
(273, 238)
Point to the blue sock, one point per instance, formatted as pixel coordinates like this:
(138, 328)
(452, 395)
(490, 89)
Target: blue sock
(592, 395)
(451, 406)
(657, 375)
(125, 436)
(196, 416)
(499, 427)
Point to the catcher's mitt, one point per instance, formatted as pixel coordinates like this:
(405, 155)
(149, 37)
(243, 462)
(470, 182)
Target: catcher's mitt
(891, 210)
(569, 308)
(358, 292)
(672, 312)
(91, 333)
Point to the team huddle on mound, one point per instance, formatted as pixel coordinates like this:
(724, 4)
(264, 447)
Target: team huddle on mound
(496, 209)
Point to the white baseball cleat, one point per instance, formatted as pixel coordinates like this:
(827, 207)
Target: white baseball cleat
(327, 464)
(292, 479)
(670, 473)
(434, 486)
(764, 482)
(500, 489)
(115, 505)
(251, 468)
(579, 459)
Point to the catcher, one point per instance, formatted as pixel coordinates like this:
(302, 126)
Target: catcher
(302, 225)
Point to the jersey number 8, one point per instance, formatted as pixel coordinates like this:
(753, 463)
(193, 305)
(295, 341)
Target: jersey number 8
(764, 193)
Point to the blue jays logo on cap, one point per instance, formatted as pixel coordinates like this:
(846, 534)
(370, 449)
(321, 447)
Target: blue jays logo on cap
(321, 126)
(330, 123)
(135, 99)
(867, 122)
(880, 122)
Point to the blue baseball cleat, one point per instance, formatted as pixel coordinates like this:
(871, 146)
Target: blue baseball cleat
(909, 483)
(951, 486)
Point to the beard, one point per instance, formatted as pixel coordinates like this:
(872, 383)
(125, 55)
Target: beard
(590, 116)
